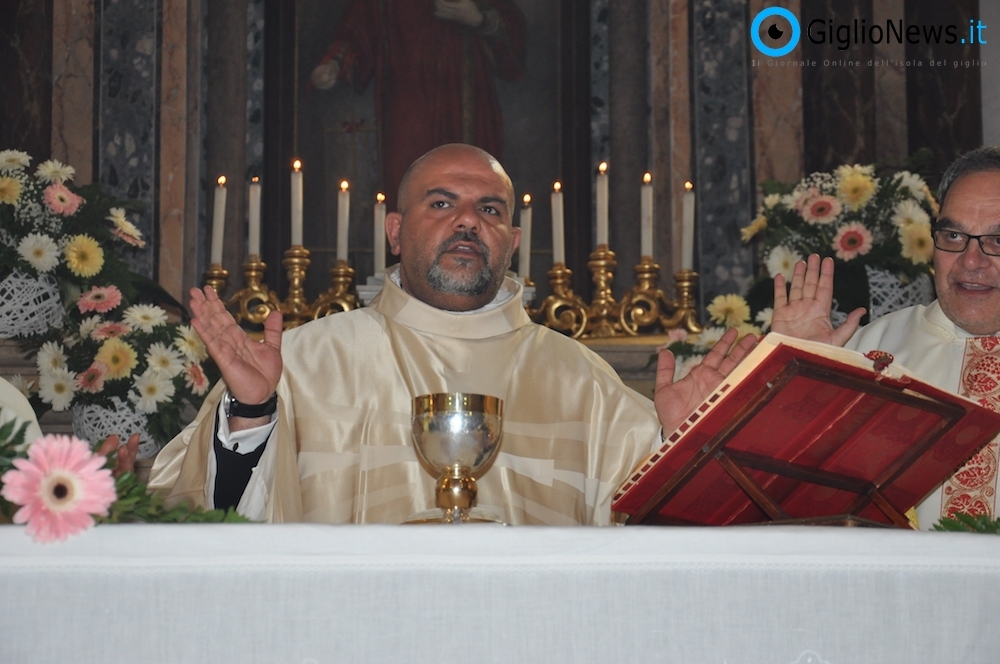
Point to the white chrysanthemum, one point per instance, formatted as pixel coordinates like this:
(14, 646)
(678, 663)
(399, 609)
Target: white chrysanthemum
(164, 360)
(145, 316)
(914, 183)
(708, 337)
(908, 213)
(88, 326)
(189, 343)
(782, 261)
(150, 389)
(57, 387)
(51, 357)
(771, 200)
(23, 386)
(40, 251)
(682, 369)
(52, 170)
(857, 169)
(764, 317)
(12, 161)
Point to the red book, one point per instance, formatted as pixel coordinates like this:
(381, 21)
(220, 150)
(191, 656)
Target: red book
(806, 432)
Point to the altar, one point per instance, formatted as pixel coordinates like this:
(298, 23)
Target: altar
(316, 593)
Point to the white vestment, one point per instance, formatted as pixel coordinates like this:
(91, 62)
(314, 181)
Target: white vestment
(341, 450)
(924, 340)
(14, 406)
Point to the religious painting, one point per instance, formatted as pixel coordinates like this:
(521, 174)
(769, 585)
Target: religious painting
(379, 82)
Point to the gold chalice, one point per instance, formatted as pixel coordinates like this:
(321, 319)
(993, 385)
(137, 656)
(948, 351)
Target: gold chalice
(457, 436)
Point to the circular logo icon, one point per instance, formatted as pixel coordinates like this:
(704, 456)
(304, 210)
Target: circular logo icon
(774, 32)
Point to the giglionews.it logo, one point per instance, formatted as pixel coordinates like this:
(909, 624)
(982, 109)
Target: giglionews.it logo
(774, 32)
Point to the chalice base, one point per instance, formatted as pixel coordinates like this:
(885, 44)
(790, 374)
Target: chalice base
(456, 515)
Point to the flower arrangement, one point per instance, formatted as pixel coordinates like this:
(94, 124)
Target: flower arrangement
(58, 487)
(851, 215)
(112, 343)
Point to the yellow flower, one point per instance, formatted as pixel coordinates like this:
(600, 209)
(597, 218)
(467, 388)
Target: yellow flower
(747, 328)
(84, 256)
(730, 310)
(10, 190)
(119, 357)
(755, 226)
(856, 189)
(917, 243)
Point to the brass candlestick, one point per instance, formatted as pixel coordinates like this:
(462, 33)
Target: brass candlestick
(647, 310)
(255, 300)
(295, 309)
(562, 310)
(603, 313)
(339, 296)
(217, 277)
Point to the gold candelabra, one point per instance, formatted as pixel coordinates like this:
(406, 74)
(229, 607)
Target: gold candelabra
(643, 310)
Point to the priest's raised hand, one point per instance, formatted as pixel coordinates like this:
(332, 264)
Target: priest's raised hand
(250, 368)
(676, 401)
(803, 310)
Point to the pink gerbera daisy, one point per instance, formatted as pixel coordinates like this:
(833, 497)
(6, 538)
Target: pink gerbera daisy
(128, 239)
(100, 299)
(61, 200)
(110, 330)
(59, 487)
(821, 209)
(852, 240)
(92, 378)
(196, 379)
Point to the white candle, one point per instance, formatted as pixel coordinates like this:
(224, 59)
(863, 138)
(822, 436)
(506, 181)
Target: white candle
(379, 234)
(558, 241)
(253, 225)
(601, 189)
(297, 203)
(524, 250)
(646, 216)
(687, 228)
(343, 219)
(219, 221)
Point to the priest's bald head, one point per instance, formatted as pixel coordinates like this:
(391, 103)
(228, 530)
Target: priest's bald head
(453, 231)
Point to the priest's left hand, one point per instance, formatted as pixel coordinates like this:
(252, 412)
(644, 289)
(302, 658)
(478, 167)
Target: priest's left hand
(676, 401)
(125, 453)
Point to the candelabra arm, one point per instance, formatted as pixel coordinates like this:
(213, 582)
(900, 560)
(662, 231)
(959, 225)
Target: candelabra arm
(562, 310)
(295, 309)
(339, 297)
(255, 301)
(604, 311)
(217, 277)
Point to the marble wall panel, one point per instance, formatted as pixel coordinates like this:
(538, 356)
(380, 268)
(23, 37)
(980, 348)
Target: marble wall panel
(722, 144)
(173, 147)
(891, 139)
(838, 102)
(943, 101)
(989, 74)
(73, 86)
(255, 88)
(600, 93)
(127, 112)
(26, 76)
(777, 108)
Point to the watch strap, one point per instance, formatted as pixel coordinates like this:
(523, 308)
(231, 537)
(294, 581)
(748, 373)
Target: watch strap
(235, 408)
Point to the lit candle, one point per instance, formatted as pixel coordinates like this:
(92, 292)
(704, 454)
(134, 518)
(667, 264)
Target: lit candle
(524, 250)
(219, 221)
(343, 216)
(297, 203)
(646, 216)
(601, 189)
(379, 234)
(253, 226)
(558, 241)
(687, 228)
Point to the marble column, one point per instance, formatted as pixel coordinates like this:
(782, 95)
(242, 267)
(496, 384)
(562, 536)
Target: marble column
(127, 113)
(722, 145)
(255, 89)
(628, 29)
(989, 76)
(73, 86)
(26, 98)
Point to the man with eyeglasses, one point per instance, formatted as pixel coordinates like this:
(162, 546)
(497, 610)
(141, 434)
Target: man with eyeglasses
(952, 343)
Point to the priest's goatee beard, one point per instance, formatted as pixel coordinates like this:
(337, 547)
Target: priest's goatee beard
(463, 283)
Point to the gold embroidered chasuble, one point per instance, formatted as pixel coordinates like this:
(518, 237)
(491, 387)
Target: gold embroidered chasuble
(342, 450)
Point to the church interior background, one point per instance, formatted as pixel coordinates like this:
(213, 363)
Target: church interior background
(157, 98)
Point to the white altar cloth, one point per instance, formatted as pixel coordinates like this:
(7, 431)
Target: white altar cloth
(311, 594)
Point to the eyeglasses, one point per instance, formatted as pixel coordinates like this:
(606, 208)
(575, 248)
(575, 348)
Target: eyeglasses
(946, 239)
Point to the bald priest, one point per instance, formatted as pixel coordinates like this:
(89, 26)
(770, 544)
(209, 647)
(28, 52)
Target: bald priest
(313, 424)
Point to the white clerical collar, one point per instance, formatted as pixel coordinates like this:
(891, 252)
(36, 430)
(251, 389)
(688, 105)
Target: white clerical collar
(502, 296)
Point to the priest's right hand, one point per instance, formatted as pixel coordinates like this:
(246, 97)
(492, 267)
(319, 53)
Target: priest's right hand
(250, 368)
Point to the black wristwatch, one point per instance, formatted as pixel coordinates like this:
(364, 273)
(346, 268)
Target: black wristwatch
(234, 408)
